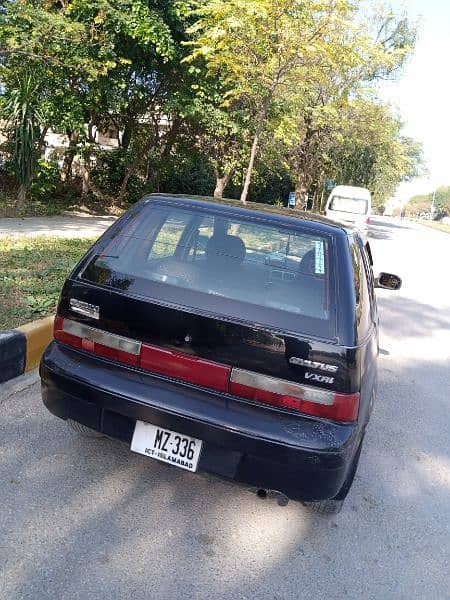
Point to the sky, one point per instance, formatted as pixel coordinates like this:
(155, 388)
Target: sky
(422, 93)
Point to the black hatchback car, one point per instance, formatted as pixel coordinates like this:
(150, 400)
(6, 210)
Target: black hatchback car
(241, 341)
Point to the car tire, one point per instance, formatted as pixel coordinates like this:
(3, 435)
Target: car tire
(333, 506)
(327, 507)
(83, 430)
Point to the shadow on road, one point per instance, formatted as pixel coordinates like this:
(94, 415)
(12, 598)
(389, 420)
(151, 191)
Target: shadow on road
(384, 230)
(388, 224)
(406, 318)
(89, 519)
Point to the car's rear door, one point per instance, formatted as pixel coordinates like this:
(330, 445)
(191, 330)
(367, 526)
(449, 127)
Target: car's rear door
(201, 288)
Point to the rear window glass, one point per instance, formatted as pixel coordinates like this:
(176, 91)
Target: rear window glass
(217, 262)
(357, 206)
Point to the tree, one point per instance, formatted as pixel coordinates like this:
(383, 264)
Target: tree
(315, 120)
(102, 63)
(271, 90)
(440, 198)
(24, 119)
(264, 50)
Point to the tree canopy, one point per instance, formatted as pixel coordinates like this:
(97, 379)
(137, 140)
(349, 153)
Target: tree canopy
(248, 97)
(439, 199)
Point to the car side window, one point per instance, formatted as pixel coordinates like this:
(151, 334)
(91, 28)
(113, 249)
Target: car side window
(367, 262)
(363, 303)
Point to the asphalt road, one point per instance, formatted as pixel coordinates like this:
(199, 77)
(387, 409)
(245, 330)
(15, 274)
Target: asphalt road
(89, 519)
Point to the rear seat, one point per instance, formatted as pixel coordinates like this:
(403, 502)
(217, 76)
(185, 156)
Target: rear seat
(224, 270)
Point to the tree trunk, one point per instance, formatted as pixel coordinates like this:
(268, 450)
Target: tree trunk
(259, 128)
(41, 143)
(86, 176)
(123, 186)
(66, 169)
(127, 134)
(251, 163)
(21, 197)
(321, 200)
(300, 191)
(221, 184)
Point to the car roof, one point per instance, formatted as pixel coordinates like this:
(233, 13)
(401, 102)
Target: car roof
(362, 192)
(280, 213)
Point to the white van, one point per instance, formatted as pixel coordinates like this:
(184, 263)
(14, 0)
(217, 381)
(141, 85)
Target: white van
(351, 205)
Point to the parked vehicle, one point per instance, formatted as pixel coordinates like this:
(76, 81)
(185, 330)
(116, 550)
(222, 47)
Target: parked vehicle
(351, 205)
(239, 341)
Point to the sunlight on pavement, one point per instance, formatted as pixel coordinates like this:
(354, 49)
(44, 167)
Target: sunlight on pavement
(436, 470)
(268, 534)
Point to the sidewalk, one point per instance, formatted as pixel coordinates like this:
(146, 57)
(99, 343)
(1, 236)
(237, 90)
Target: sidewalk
(64, 226)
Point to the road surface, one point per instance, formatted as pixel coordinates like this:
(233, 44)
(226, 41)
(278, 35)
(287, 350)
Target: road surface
(89, 519)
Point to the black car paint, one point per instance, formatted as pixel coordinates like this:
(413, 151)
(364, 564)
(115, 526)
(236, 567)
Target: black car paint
(70, 379)
(300, 456)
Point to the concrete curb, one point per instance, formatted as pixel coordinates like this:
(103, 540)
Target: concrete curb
(21, 348)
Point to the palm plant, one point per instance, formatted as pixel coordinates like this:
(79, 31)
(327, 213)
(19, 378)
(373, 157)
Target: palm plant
(22, 112)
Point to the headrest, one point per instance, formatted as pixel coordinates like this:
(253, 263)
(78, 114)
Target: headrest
(225, 248)
(307, 265)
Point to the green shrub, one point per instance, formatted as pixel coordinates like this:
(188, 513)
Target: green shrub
(109, 171)
(45, 180)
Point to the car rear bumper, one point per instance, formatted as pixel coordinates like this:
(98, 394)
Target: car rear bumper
(301, 457)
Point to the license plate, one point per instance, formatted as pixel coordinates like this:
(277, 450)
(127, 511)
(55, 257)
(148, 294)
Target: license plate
(167, 446)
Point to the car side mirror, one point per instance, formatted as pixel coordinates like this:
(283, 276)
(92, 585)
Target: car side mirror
(388, 281)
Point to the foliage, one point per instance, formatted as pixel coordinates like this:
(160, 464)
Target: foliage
(202, 96)
(45, 180)
(110, 169)
(187, 173)
(422, 203)
(373, 153)
(263, 50)
(22, 112)
(442, 199)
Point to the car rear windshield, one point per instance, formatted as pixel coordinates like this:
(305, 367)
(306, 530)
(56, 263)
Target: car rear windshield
(242, 268)
(357, 206)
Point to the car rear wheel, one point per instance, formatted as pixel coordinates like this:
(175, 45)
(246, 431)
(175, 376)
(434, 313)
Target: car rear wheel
(333, 506)
(83, 430)
(327, 507)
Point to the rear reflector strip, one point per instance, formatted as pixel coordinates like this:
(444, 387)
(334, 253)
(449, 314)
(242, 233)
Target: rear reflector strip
(293, 396)
(101, 343)
(281, 387)
(185, 367)
(151, 358)
(239, 382)
(111, 340)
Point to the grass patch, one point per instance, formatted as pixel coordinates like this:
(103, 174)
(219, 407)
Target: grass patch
(53, 206)
(32, 272)
(436, 225)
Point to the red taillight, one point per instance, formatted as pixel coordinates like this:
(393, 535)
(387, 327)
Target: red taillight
(101, 343)
(238, 382)
(183, 366)
(367, 220)
(63, 336)
(286, 394)
(151, 358)
(116, 354)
